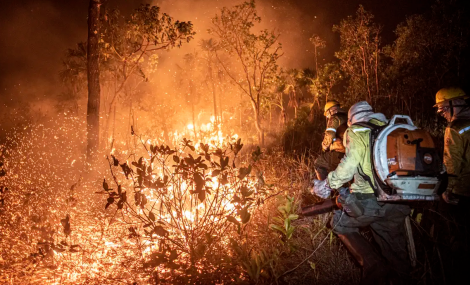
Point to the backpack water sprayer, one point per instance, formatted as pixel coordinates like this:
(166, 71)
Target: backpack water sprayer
(405, 162)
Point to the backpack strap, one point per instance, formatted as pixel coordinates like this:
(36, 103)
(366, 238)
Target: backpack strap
(374, 129)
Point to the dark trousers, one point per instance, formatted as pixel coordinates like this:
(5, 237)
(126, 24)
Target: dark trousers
(387, 222)
(454, 239)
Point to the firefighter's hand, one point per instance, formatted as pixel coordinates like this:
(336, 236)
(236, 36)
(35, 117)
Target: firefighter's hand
(450, 198)
(321, 188)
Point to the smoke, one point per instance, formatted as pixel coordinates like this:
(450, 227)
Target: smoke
(294, 25)
(36, 33)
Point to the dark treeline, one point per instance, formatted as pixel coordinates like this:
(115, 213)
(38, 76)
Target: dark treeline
(431, 51)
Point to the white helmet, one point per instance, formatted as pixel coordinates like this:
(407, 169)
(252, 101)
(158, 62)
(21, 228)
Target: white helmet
(359, 110)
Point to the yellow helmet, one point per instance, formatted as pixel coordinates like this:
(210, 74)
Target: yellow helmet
(330, 104)
(446, 94)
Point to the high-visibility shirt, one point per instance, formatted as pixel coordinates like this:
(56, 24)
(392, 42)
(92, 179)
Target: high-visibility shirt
(457, 156)
(356, 163)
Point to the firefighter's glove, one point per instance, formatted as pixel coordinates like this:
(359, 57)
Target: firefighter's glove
(450, 198)
(321, 188)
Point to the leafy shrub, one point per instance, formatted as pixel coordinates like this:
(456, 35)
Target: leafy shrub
(183, 205)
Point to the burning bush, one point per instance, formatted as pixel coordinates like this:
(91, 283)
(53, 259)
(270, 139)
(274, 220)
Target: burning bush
(182, 205)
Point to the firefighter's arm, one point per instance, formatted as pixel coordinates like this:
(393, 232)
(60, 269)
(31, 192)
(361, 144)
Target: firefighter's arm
(330, 133)
(355, 149)
(453, 155)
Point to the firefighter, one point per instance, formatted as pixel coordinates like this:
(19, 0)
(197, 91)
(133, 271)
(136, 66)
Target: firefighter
(332, 145)
(386, 220)
(452, 104)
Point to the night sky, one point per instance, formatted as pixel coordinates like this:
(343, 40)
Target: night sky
(35, 34)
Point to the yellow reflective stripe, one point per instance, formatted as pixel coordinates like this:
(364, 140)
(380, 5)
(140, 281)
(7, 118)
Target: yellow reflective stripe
(331, 129)
(361, 130)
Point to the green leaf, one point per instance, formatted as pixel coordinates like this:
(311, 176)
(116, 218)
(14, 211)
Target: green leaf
(279, 220)
(277, 228)
(287, 224)
(418, 218)
(293, 217)
(289, 232)
(283, 209)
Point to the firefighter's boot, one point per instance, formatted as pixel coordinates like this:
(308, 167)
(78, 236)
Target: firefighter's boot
(321, 173)
(374, 267)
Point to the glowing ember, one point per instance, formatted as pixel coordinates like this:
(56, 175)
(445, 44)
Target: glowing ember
(167, 212)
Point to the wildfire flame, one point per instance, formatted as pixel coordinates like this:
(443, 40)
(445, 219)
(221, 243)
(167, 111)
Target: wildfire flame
(105, 245)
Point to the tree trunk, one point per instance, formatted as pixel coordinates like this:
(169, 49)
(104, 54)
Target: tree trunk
(259, 129)
(93, 76)
(241, 105)
(214, 96)
(270, 117)
(219, 94)
(194, 122)
(316, 62)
